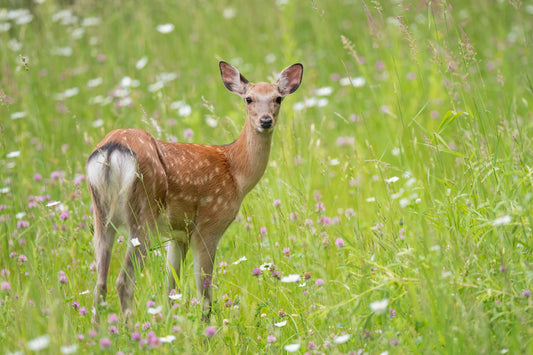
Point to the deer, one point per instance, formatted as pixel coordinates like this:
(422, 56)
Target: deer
(140, 183)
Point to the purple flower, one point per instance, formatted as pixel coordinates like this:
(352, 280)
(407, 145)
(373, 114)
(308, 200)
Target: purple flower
(287, 252)
(349, 212)
(79, 179)
(188, 133)
(62, 278)
(23, 224)
(136, 336)
(105, 342)
(5, 286)
(146, 325)
(150, 304)
(263, 231)
(22, 258)
(55, 175)
(113, 330)
(277, 203)
(271, 338)
(229, 303)
(64, 215)
(210, 331)
(319, 282)
(311, 346)
(75, 305)
(82, 311)
(339, 242)
(113, 318)
(257, 272)
(37, 177)
(207, 283)
(526, 293)
(153, 340)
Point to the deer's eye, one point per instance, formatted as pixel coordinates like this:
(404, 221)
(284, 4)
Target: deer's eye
(248, 100)
(278, 99)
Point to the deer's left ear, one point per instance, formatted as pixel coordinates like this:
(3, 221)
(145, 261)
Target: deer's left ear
(290, 79)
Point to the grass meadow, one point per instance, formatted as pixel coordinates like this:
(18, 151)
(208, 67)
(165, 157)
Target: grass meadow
(395, 216)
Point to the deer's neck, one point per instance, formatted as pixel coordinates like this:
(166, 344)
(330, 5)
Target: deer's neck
(248, 157)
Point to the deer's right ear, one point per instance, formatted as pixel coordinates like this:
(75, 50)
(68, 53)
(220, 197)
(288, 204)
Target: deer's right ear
(233, 80)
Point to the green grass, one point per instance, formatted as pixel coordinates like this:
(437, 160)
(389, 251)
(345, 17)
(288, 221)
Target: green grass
(424, 170)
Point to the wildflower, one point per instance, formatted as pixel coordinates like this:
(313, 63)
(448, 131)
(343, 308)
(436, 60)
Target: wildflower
(339, 242)
(135, 242)
(146, 326)
(167, 339)
(136, 336)
(155, 310)
(379, 307)
(62, 278)
(324, 91)
(319, 207)
(287, 252)
(311, 346)
(175, 296)
(210, 331)
(69, 349)
(341, 339)
(263, 231)
(75, 304)
(319, 282)
(392, 312)
(502, 220)
(349, 212)
(105, 343)
(4, 286)
(290, 348)
(153, 340)
(82, 311)
(150, 304)
(39, 343)
(392, 179)
(23, 224)
(526, 293)
(309, 222)
(257, 272)
(281, 324)
(291, 278)
(165, 28)
(23, 258)
(37, 177)
(394, 342)
(277, 203)
(271, 338)
(241, 259)
(188, 133)
(113, 330)
(113, 318)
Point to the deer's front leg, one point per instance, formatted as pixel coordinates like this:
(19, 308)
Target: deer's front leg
(204, 247)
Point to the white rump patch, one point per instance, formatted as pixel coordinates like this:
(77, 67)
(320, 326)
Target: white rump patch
(112, 180)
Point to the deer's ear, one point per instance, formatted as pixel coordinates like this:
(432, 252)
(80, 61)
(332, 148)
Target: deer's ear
(233, 80)
(290, 79)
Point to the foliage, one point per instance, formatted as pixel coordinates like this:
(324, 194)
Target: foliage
(406, 215)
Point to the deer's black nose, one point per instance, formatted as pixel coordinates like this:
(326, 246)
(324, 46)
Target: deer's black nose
(266, 122)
